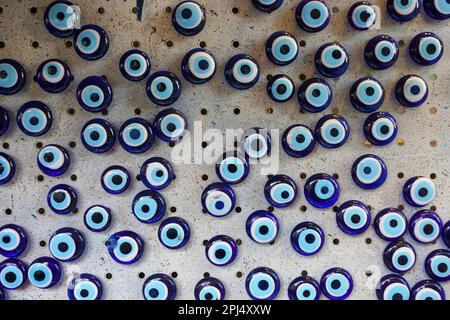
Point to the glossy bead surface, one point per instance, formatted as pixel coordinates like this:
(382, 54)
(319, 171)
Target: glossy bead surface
(256, 143)
(125, 247)
(419, 191)
(62, 199)
(426, 48)
(85, 287)
(262, 226)
(393, 287)
(307, 238)
(67, 244)
(12, 77)
(304, 288)
(267, 5)
(218, 199)
(60, 18)
(159, 286)
(437, 265)
(427, 290)
(298, 141)
(425, 226)
(53, 160)
(332, 131)
(53, 76)
(402, 10)
(44, 272)
(321, 190)
(170, 125)
(411, 91)
(332, 60)
(280, 88)
(353, 217)
(369, 171)
(198, 66)
(13, 240)
(381, 52)
(91, 42)
(13, 274)
(221, 250)
(156, 173)
(242, 72)
(135, 65)
(97, 218)
(362, 16)
(34, 118)
(174, 233)
(115, 179)
(280, 191)
(149, 206)
(399, 256)
(209, 289)
(314, 95)
(232, 167)
(189, 18)
(380, 128)
(367, 94)
(262, 284)
(8, 167)
(336, 284)
(4, 121)
(437, 9)
(136, 135)
(312, 15)
(282, 48)
(390, 224)
(163, 88)
(446, 234)
(98, 136)
(94, 94)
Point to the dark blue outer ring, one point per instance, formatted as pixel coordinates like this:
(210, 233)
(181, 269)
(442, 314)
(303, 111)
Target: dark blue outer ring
(103, 85)
(41, 106)
(386, 281)
(331, 72)
(376, 223)
(54, 31)
(401, 97)
(358, 104)
(229, 72)
(427, 284)
(221, 186)
(108, 221)
(57, 172)
(376, 184)
(21, 80)
(54, 266)
(414, 49)
(237, 155)
(350, 15)
(72, 194)
(96, 281)
(390, 249)
(146, 145)
(158, 198)
(112, 243)
(402, 18)
(318, 134)
(183, 224)
(78, 238)
(428, 269)
(176, 88)
(432, 12)
(103, 45)
(122, 65)
(369, 53)
(368, 128)
(277, 179)
(303, 103)
(292, 290)
(327, 273)
(422, 214)
(12, 164)
(168, 281)
(110, 139)
(209, 282)
(19, 264)
(297, 154)
(22, 245)
(186, 72)
(309, 191)
(160, 117)
(184, 31)
(296, 233)
(267, 271)
(340, 217)
(304, 26)
(257, 215)
(166, 164)
(125, 187)
(268, 48)
(271, 82)
(54, 87)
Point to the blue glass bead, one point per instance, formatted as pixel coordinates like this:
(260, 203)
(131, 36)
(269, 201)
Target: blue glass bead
(312, 15)
(218, 199)
(427, 290)
(280, 191)
(8, 167)
(86, 286)
(98, 135)
(262, 284)
(336, 284)
(4, 121)
(53, 76)
(446, 234)
(136, 135)
(97, 218)
(332, 131)
(125, 247)
(298, 141)
(67, 244)
(304, 288)
(369, 171)
(12, 77)
(262, 226)
(170, 125)
(399, 256)
(189, 18)
(3, 295)
(13, 273)
(91, 42)
(149, 206)
(362, 16)
(437, 265)
(62, 199)
(209, 289)
(115, 179)
(13, 240)
(280, 88)
(242, 72)
(282, 48)
(256, 143)
(321, 190)
(393, 287)
(198, 66)
(353, 217)
(411, 91)
(402, 10)
(135, 65)
(314, 95)
(174, 233)
(381, 52)
(367, 94)
(34, 118)
(267, 5)
(221, 250)
(163, 88)
(419, 191)
(60, 19)
(390, 224)
(94, 94)
(425, 226)
(426, 48)
(159, 286)
(53, 160)
(307, 238)
(156, 173)
(380, 128)
(332, 60)
(437, 9)
(232, 167)
(44, 272)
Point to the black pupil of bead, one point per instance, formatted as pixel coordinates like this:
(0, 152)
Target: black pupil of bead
(306, 293)
(135, 134)
(397, 296)
(63, 247)
(393, 223)
(86, 42)
(285, 49)
(245, 69)
(316, 93)
(117, 180)
(203, 64)
(125, 248)
(95, 97)
(34, 121)
(159, 173)
(145, 208)
(39, 275)
(171, 127)
(6, 239)
(324, 190)
(315, 13)
(186, 13)
(285, 194)
(300, 138)
(97, 217)
(263, 285)
(385, 51)
(335, 284)
(220, 254)
(431, 49)
(402, 260)
(384, 129)
(52, 70)
(281, 89)
(84, 293)
(337, 54)
(10, 277)
(263, 230)
(423, 192)
(428, 229)
(310, 238)
(49, 157)
(161, 87)
(172, 233)
(415, 90)
(334, 132)
(442, 267)
(153, 293)
(355, 218)
(95, 135)
(370, 91)
(3, 74)
(59, 196)
(404, 2)
(232, 168)
(367, 170)
(219, 205)
(135, 65)
(60, 16)
(365, 16)
(208, 296)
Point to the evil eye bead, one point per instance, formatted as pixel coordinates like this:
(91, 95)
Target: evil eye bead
(427, 290)
(232, 167)
(136, 135)
(170, 125)
(262, 226)
(7, 168)
(67, 244)
(267, 5)
(97, 218)
(163, 88)
(12, 77)
(159, 286)
(336, 284)
(369, 171)
(332, 60)
(256, 142)
(156, 173)
(221, 250)
(411, 91)
(34, 118)
(393, 287)
(94, 94)
(437, 265)
(149, 206)
(437, 9)
(381, 52)
(125, 247)
(446, 234)
(304, 288)
(367, 94)
(91, 42)
(44, 272)
(4, 121)
(280, 88)
(321, 190)
(362, 16)
(380, 128)
(98, 135)
(115, 179)
(399, 256)
(332, 131)
(242, 72)
(307, 238)
(390, 224)
(298, 141)
(419, 191)
(218, 199)
(425, 226)
(60, 19)
(189, 18)
(13, 274)
(314, 95)
(312, 15)
(13, 240)
(353, 217)
(280, 191)
(426, 48)
(85, 287)
(198, 66)
(282, 48)
(53, 160)
(135, 65)
(53, 76)
(209, 289)
(262, 284)
(62, 199)
(174, 233)
(403, 10)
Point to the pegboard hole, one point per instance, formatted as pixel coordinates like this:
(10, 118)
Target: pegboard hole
(173, 209)
(168, 9)
(239, 274)
(236, 44)
(302, 76)
(2, 44)
(141, 275)
(1, 10)
(205, 177)
(237, 111)
(73, 177)
(433, 143)
(272, 242)
(368, 241)
(174, 274)
(269, 110)
(206, 275)
(5, 145)
(433, 208)
(101, 10)
(205, 242)
(401, 43)
(204, 144)
(304, 273)
(134, 10)
(136, 44)
(335, 209)
(8, 211)
(401, 207)
(270, 209)
(204, 112)
(33, 10)
(41, 210)
(235, 10)
(108, 276)
(169, 43)
(336, 241)
(303, 175)
(202, 44)
(137, 111)
(302, 43)
(369, 273)
(238, 242)
(71, 111)
(40, 178)
(303, 208)
(72, 144)
(238, 209)
(335, 10)
(35, 44)
(433, 176)
(138, 177)
(74, 210)
(400, 175)
(335, 176)
(69, 44)
(269, 76)
(171, 144)
(42, 243)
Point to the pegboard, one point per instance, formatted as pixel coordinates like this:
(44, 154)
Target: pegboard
(233, 26)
